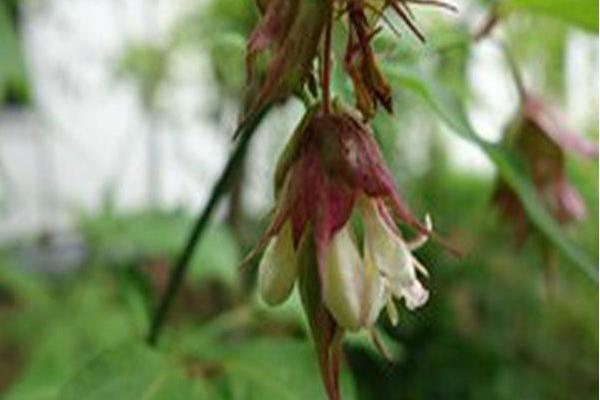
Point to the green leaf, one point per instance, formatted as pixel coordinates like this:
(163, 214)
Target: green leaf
(147, 65)
(583, 13)
(268, 368)
(452, 111)
(83, 319)
(131, 371)
(218, 257)
(126, 237)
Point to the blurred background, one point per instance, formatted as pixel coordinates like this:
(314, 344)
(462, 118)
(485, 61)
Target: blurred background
(116, 119)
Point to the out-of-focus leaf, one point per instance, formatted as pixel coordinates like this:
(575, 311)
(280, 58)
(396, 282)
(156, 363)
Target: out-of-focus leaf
(452, 111)
(83, 319)
(222, 28)
(583, 13)
(23, 286)
(218, 256)
(161, 234)
(134, 235)
(132, 371)
(147, 65)
(228, 50)
(362, 340)
(13, 77)
(278, 369)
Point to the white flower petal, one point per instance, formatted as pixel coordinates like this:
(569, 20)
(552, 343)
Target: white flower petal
(277, 269)
(393, 258)
(392, 312)
(373, 291)
(387, 250)
(415, 295)
(344, 281)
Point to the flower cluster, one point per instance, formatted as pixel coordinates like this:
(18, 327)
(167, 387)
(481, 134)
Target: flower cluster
(334, 171)
(541, 142)
(332, 189)
(335, 230)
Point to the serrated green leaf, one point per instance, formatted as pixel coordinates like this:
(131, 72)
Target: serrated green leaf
(452, 111)
(78, 323)
(278, 369)
(131, 371)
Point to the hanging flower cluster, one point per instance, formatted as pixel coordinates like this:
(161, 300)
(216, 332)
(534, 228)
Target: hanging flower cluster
(334, 170)
(335, 229)
(541, 142)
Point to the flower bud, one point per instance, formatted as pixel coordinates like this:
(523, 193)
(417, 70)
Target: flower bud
(277, 269)
(292, 29)
(352, 289)
(342, 280)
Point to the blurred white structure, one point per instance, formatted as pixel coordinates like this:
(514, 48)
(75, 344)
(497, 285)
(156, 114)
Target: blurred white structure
(88, 132)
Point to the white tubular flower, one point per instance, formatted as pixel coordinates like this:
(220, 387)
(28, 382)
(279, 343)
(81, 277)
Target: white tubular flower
(277, 269)
(352, 288)
(392, 256)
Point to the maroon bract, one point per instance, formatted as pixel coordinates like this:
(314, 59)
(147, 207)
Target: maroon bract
(331, 162)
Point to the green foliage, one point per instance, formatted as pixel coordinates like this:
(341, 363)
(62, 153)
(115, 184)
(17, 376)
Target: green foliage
(505, 321)
(221, 29)
(550, 58)
(78, 319)
(149, 235)
(91, 345)
(131, 371)
(259, 369)
(583, 13)
(495, 327)
(147, 65)
(450, 109)
(13, 75)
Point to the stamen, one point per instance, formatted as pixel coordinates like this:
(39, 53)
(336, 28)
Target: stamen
(380, 347)
(392, 311)
(420, 267)
(421, 238)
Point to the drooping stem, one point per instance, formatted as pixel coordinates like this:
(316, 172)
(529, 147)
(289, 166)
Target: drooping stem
(515, 72)
(490, 22)
(183, 261)
(326, 78)
(235, 211)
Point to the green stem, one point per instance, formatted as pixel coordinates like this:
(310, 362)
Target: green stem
(183, 261)
(326, 78)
